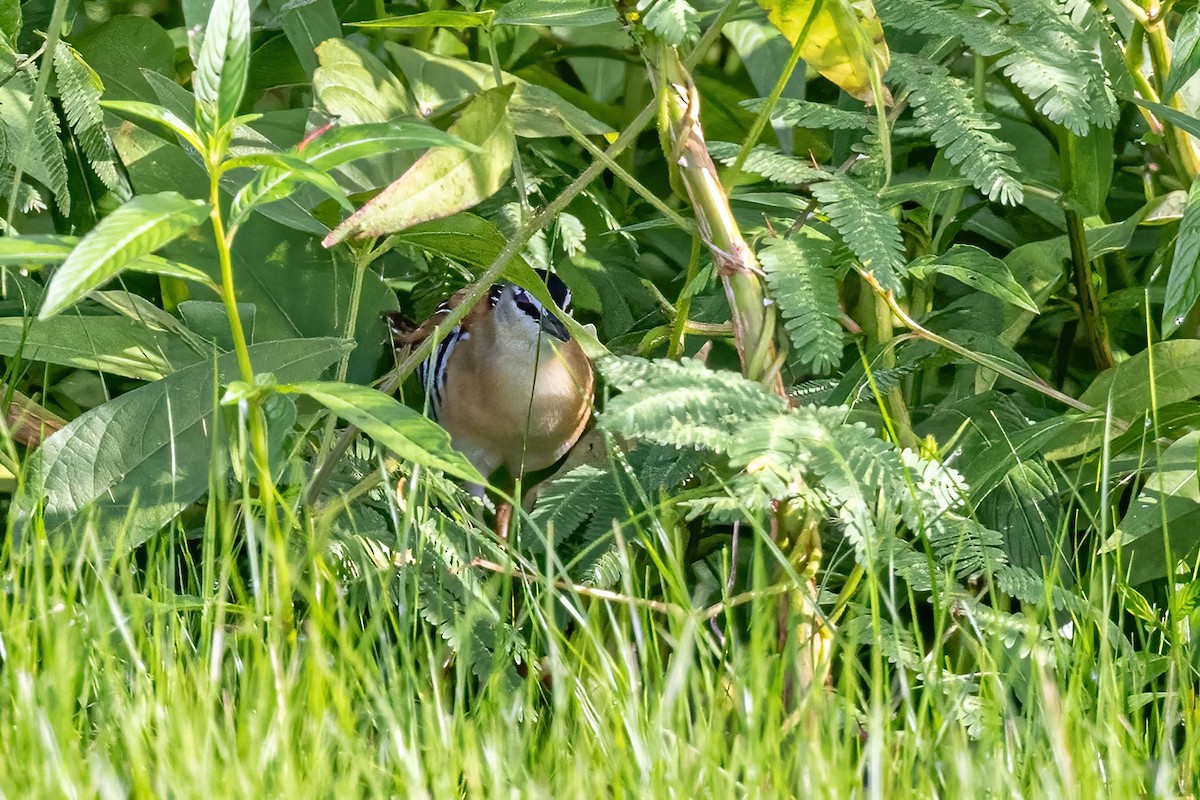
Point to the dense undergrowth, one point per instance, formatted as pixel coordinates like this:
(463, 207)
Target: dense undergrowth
(892, 486)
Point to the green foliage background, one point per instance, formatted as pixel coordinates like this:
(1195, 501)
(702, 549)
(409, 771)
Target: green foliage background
(893, 482)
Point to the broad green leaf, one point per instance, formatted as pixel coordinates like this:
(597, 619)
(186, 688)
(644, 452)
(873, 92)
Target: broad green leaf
(1183, 283)
(352, 86)
(1185, 55)
(977, 269)
(1091, 165)
(122, 50)
(299, 289)
(559, 13)
(10, 21)
(278, 176)
(137, 228)
(470, 240)
(30, 251)
(209, 320)
(156, 113)
(842, 39)
(307, 23)
(457, 20)
(345, 143)
(223, 64)
(536, 111)
(446, 179)
(129, 466)
(116, 345)
(1038, 267)
(1133, 390)
(1170, 498)
(392, 424)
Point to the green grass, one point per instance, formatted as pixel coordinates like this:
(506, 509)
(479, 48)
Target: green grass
(140, 676)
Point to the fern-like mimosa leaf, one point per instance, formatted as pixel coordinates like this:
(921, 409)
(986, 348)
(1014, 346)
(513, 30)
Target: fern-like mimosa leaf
(945, 105)
(690, 405)
(803, 286)
(870, 232)
(675, 21)
(807, 114)
(80, 89)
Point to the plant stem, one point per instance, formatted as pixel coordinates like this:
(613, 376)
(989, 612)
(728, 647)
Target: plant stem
(880, 332)
(1089, 283)
(224, 243)
(753, 325)
(1160, 59)
(1090, 313)
(255, 418)
(616, 169)
(517, 166)
(982, 360)
(683, 307)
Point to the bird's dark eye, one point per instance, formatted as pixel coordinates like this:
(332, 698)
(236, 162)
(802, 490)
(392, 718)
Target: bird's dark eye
(528, 306)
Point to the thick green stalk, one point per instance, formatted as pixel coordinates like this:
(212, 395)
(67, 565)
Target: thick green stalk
(228, 296)
(256, 420)
(753, 324)
(1160, 58)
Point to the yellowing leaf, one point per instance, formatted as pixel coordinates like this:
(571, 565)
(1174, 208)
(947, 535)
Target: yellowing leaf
(842, 39)
(445, 180)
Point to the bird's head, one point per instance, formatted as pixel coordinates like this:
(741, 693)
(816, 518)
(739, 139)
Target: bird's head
(521, 319)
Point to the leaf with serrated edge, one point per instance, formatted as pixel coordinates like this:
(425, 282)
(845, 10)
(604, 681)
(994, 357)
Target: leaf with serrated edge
(392, 424)
(446, 179)
(137, 228)
(128, 467)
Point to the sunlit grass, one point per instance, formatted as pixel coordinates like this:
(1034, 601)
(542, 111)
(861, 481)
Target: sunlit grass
(137, 675)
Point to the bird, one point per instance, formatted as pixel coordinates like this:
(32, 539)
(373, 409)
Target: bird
(509, 383)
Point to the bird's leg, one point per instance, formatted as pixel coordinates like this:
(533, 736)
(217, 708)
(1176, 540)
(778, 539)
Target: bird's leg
(504, 512)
